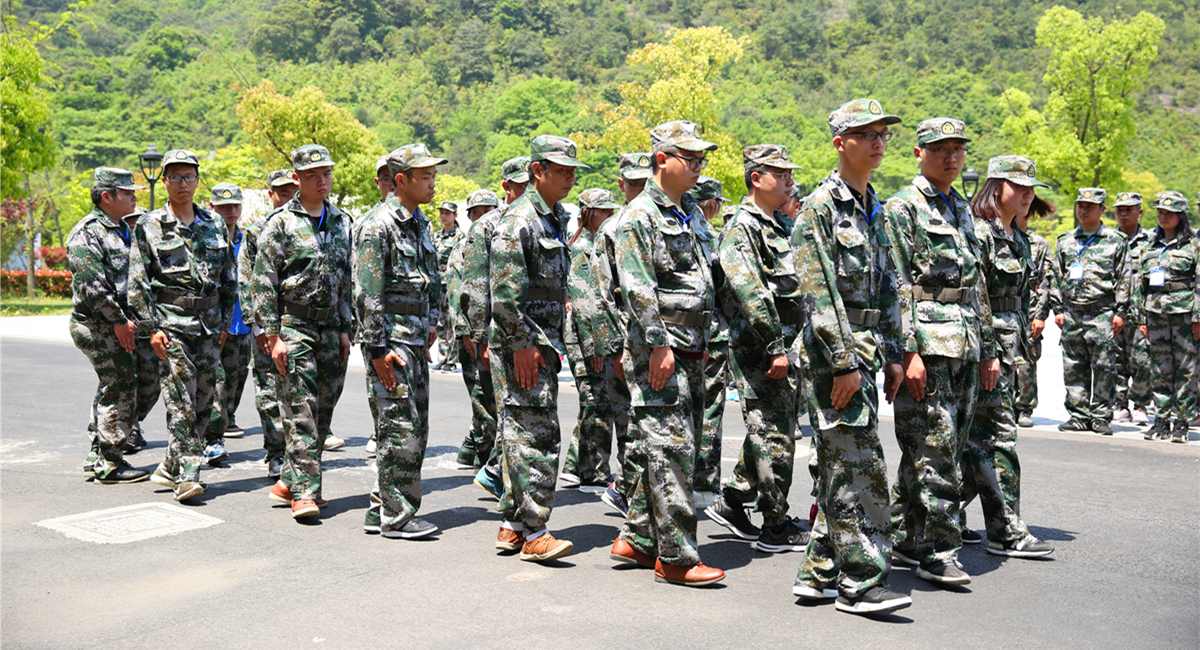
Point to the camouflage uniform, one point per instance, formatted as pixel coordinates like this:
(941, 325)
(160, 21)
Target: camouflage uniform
(98, 251)
(1133, 349)
(764, 302)
(181, 282)
(236, 351)
(667, 289)
(1037, 307)
(397, 291)
(301, 292)
(445, 241)
(1166, 298)
(706, 475)
(529, 269)
(1091, 287)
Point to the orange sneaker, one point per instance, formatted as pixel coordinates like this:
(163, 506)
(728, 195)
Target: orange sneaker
(305, 509)
(696, 575)
(545, 548)
(509, 540)
(624, 552)
(280, 493)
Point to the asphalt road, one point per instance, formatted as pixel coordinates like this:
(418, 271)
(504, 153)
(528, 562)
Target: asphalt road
(1123, 514)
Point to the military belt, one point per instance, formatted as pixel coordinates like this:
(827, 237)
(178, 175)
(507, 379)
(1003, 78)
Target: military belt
(1092, 308)
(1005, 303)
(1167, 287)
(186, 300)
(948, 295)
(790, 311)
(307, 312)
(692, 319)
(404, 307)
(863, 317)
(549, 294)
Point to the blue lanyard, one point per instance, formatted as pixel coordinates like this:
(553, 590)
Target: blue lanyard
(124, 233)
(875, 208)
(1083, 249)
(682, 216)
(553, 226)
(321, 223)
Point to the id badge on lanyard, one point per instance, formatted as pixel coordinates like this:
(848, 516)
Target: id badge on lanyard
(1075, 272)
(1158, 276)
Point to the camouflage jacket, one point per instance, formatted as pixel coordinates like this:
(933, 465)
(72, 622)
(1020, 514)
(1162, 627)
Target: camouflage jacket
(1004, 261)
(944, 306)
(181, 278)
(475, 296)
(665, 277)
(761, 278)
(1135, 245)
(397, 285)
(718, 325)
(98, 257)
(302, 270)
(528, 277)
(1040, 277)
(453, 281)
(609, 340)
(846, 281)
(444, 243)
(245, 269)
(583, 296)
(1103, 283)
(1178, 292)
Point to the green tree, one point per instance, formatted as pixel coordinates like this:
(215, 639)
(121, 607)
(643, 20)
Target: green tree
(26, 141)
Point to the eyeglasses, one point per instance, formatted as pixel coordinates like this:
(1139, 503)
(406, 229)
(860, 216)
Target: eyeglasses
(781, 174)
(871, 136)
(183, 180)
(694, 164)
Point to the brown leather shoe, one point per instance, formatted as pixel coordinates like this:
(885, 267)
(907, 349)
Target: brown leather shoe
(305, 509)
(696, 575)
(509, 540)
(280, 493)
(545, 548)
(624, 552)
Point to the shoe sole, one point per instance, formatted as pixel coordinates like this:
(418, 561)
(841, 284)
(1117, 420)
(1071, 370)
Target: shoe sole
(306, 513)
(335, 447)
(562, 550)
(702, 583)
(235, 434)
(759, 545)
(942, 580)
(485, 488)
(505, 546)
(213, 461)
(900, 558)
(371, 530)
(464, 466)
(110, 481)
(810, 593)
(976, 540)
(162, 481)
(278, 499)
(592, 489)
(716, 517)
(629, 561)
(190, 494)
(608, 501)
(874, 608)
(1004, 552)
(395, 534)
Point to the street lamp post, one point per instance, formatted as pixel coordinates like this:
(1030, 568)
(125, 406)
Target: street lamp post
(970, 182)
(150, 169)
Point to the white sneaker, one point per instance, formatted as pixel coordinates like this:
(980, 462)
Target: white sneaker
(568, 480)
(333, 442)
(371, 447)
(1122, 415)
(702, 500)
(1139, 416)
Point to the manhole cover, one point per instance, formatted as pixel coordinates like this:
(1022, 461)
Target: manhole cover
(129, 523)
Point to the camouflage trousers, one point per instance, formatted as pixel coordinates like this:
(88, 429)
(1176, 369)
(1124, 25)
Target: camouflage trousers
(127, 388)
(266, 401)
(1089, 366)
(528, 435)
(932, 434)
(189, 381)
(403, 430)
(764, 467)
(707, 475)
(372, 401)
(1025, 373)
(603, 411)
(1133, 369)
(990, 467)
(667, 425)
(1175, 372)
(308, 393)
(849, 544)
(477, 446)
(231, 381)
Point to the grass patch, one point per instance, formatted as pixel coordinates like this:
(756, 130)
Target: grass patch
(11, 305)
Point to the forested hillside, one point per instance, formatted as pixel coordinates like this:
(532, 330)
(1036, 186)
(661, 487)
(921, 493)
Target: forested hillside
(475, 79)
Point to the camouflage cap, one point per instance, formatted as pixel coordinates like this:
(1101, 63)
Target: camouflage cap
(310, 156)
(412, 156)
(597, 199)
(706, 188)
(555, 149)
(679, 134)
(936, 129)
(515, 170)
(179, 157)
(1095, 195)
(280, 177)
(226, 194)
(1172, 201)
(381, 163)
(1128, 198)
(767, 155)
(115, 178)
(1015, 169)
(635, 166)
(858, 112)
(448, 206)
(483, 198)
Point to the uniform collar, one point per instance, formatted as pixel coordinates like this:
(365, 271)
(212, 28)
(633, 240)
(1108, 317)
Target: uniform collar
(1101, 232)
(750, 207)
(106, 220)
(927, 188)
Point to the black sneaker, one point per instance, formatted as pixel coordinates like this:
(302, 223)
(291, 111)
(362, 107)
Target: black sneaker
(1164, 432)
(1179, 432)
(1101, 427)
(1027, 547)
(905, 557)
(944, 572)
(876, 600)
(734, 517)
(412, 529)
(593, 487)
(970, 536)
(782, 537)
(1158, 430)
(814, 592)
(135, 442)
(124, 473)
(1073, 425)
(615, 500)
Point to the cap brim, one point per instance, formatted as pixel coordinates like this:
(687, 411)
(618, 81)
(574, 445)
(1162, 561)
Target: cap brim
(523, 177)
(1127, 204)
(1089, 201)
(227, 202)
(1023, 182)
(1168, 208)
(428, 162)
(695, 145)
(875, 119)
(566, 161)
(316, 165)
(132, 188)
(639, 174)
(607, 205)
(940, 137)
(781, 164)
(280, 182)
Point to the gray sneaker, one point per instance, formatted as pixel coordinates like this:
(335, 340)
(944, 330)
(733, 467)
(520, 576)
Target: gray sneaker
(876, 600)
(412, 529)
(1027, 547)
(944, 572)
(815, 592)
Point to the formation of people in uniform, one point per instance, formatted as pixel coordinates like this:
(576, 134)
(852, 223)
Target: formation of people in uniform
(807, 302)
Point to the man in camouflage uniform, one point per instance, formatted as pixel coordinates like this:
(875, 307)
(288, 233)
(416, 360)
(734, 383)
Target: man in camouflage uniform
(1038, 308)
(763, 303)
(447, 238)
(181, 287)
(102, 326)
(301, 292)
(386, 184)
(632, 171)
(476, 306)
(396, 295)
(1166, 308)
(1133, 349)
(667, 291)
(1090, 298)
(235, 341)
(852, 329)
(528, 276)
(949, 350)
